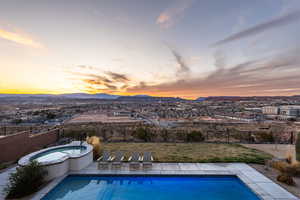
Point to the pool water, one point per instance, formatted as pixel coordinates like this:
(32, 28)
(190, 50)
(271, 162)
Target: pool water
(57, 153)
(151, 188)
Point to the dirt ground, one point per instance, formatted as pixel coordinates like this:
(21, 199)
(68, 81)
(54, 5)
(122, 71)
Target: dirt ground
(278, 151)
(103, 118)
(272, 174)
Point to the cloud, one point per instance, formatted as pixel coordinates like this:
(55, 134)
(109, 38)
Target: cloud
(19, 38)
(183, 69)
(170, 16)
(277, 22)
(220, 59)
(274, 75)
(118, 77)
(97, 81)
(87, 67)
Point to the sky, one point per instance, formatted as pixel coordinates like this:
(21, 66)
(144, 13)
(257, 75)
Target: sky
(175, 48)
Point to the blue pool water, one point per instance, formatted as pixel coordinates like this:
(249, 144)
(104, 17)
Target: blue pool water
(151, 188)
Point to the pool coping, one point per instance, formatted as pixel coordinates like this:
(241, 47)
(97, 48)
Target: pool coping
(263, 187)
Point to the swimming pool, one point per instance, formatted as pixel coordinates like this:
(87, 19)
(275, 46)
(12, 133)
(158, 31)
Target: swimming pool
(151, 188)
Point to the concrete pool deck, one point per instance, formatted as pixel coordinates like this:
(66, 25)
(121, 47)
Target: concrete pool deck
(265, 188)
(4, 175)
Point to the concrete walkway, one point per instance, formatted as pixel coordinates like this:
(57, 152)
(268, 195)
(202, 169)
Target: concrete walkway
(4, 179)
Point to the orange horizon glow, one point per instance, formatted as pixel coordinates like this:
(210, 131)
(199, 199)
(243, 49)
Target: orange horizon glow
(188, 97)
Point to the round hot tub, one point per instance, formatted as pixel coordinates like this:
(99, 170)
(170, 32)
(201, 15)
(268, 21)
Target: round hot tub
(58, 160)
(51, 155)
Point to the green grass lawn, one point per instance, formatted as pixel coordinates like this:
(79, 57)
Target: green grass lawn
(192, 152)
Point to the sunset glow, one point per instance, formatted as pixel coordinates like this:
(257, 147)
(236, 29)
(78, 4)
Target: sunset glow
(174, 48)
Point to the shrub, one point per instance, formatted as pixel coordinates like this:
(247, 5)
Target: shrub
(293, 169)
(50, 116)
(143, 134)
(26, 180)
(289, 159)
(17, 121)
(266, 137)
(180, 135)
(77, 132)
(95, 142)
(194, 136)
(165, 135)
(286, 168)
(285, 178)
(280, 165)
(298, 148)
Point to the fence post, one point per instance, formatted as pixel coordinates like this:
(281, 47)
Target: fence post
(249, 137)
(227, 132)
(207, 132)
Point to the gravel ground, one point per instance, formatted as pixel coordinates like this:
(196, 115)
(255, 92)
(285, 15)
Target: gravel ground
(273, 173)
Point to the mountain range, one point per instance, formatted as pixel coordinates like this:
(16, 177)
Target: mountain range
(137, 97)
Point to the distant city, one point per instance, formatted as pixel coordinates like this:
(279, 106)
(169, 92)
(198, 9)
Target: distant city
(53, 110)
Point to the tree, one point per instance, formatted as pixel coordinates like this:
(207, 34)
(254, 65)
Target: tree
(194, 136)
(50, 116)
(17, 121)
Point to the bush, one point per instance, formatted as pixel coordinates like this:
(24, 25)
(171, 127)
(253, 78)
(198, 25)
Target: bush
(289, 159)
(194, 136)
(280, 165)
(266, 137)
(50, 116)
(165, 135)
(78, 132)
(286, 168)
(26, 180)
(17, 121)
(293, 169)
(95, 142)
(285, 178)
(143, 134)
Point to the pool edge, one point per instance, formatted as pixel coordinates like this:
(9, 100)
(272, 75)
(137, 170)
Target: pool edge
(251, 184)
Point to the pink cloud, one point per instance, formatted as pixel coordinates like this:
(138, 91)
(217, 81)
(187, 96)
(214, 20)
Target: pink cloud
(171, 15)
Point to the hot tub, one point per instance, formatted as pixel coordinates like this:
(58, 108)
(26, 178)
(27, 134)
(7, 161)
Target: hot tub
(58, 160)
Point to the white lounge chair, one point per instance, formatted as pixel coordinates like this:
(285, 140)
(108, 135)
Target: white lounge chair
(134, 160)
(104, 160)
(147, 159)
(118, 158)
